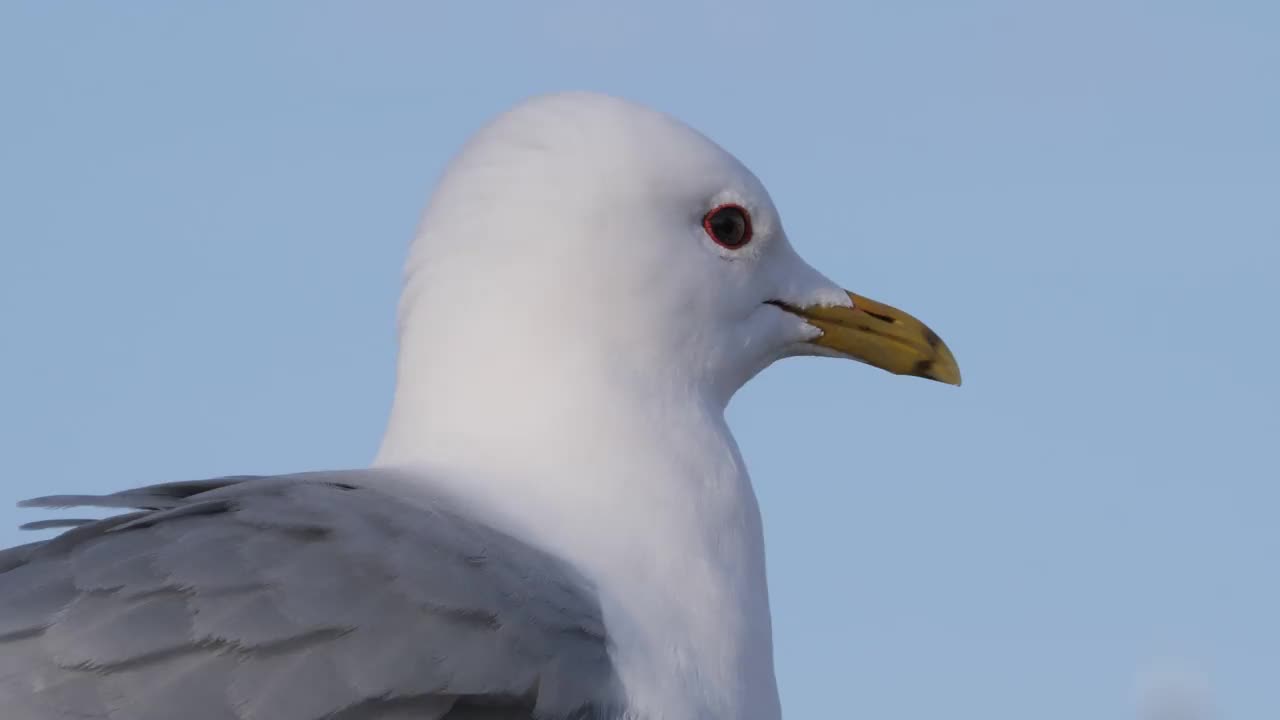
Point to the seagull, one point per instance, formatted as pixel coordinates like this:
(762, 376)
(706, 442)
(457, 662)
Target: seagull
(558, 523)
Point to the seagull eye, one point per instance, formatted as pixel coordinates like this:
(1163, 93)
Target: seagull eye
(729, 226)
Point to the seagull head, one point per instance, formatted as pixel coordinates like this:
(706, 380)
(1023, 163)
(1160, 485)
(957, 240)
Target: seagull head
(586, 231)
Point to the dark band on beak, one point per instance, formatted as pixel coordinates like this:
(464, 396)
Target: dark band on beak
(880, 335)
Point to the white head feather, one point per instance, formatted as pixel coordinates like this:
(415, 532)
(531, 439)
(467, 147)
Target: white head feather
(570, 335)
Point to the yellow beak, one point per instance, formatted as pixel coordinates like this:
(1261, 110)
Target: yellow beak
(882, 336)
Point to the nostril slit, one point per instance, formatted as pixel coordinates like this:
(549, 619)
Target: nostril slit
(878, 316)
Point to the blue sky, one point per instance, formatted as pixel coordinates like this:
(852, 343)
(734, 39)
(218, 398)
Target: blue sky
(206, 206)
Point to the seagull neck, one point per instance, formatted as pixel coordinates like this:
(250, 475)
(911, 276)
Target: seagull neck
(641, 485)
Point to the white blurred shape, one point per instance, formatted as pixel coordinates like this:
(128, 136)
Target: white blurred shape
(1172, 690)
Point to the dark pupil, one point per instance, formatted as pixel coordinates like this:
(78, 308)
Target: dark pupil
(728, 226)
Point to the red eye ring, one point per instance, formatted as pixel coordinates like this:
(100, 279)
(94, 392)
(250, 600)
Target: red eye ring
(729, 225)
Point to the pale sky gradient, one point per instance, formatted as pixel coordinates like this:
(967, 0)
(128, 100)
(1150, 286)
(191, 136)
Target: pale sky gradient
(205, 208)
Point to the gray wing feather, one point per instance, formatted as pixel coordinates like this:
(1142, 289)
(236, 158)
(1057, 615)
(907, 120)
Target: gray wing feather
(302, 597)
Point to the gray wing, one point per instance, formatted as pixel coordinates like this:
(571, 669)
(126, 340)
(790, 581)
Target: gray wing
(296, 597)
